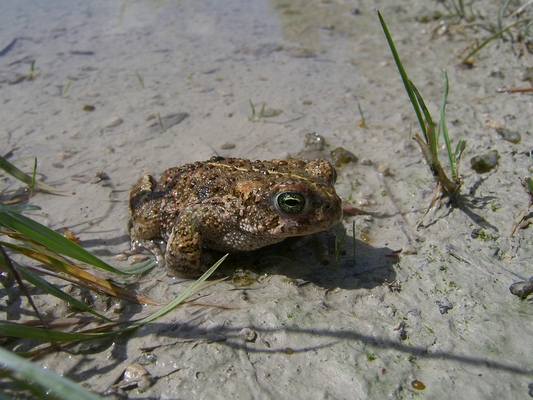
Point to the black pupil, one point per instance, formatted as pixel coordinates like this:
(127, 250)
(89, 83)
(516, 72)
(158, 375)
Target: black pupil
(291, 202)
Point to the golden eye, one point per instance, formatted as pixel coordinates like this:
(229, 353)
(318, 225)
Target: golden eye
(291, 202)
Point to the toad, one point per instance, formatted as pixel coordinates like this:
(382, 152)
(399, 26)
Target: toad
(231, 205)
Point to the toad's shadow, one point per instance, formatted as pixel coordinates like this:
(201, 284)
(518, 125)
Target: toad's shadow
(373, 266)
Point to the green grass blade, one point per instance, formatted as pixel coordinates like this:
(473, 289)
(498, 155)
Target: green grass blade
(81, 276)
(461, 146)
(5, 260)
(24, 178)
(459, 149)
(18, 208)
(253, 110)
(56, 387)
(14, 171)
(24, 385)
(429, 133)
(442, 125)
(141, 267)
(487, 41)
(46, 335)
(182, 297)
(51, 239)
(27, 332)
(529, 185)
(403, 74)
(47, 287)
(262, 111)
(33, 172)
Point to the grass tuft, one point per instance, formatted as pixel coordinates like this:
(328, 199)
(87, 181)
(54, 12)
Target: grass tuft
(447, 188)
(48, 253)
(140, 78)
(512, 24)
(362, 122)
(259, 116)
(340, 239)
(160, 121)
(33, 184)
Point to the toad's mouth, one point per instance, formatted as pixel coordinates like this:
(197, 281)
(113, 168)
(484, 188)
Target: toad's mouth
(302, 227)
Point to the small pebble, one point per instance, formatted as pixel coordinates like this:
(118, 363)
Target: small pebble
(527, 75)
(314, 141)
(486, 162)
(112, 122)
(509, 135)
(341, 156)
(399, 325)
(418, 385)
(383, 170)
(227, 146)
(402, 335)
(248, 334)
(137, 258)
(121, 257)
(522, 289)
(444, 305)
(409, 250)
(415, 312)
(365, 238)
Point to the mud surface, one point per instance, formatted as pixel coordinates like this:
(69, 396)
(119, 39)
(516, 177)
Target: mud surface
(354, 329)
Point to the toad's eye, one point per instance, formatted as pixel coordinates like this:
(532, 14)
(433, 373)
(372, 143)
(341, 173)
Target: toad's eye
(291, 202)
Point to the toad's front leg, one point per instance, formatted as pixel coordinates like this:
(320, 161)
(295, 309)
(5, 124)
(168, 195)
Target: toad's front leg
(184, 248)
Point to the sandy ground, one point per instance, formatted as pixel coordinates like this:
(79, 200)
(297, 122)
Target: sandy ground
(363, 329)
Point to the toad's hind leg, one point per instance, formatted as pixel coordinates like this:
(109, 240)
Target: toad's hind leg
(144, 222)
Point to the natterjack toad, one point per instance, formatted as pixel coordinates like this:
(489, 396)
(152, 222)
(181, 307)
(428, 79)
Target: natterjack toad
(231, 205)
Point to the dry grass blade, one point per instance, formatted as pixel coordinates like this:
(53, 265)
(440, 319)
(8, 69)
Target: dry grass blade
(85, 279)
(436, 168)
(11, 219)
(62, 322)
(20, 331)
(527, 184)
(6, 261)
(184, 296)
(466, 60)
(47, 287)
(28, 332)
